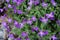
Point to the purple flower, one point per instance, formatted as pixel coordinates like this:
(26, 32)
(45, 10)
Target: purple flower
(4, 24)
(18, 39)
(41, 33)
(53, 37)
(29, 7)
(2, 17)
(1, 10)
(14, 1)
(7, 1)
(5, 15)
(58, 22)
(8, 29)
(53, 2)
(16, 24)
(35, 29)
(46, 32)
(9, 20)
(29, 22)
(14, 6)
(44, 4)
(21, 25)
(33, 18)
(24, 21)
(30, 3)
(19, 11)
(24, 34)
(50, 16)
(27, 38)
(11, 36)
(18, 2)
(43, 19)
(36, 2)
(9, 6)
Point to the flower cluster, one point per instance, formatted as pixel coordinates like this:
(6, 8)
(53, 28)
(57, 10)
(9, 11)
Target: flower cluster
(47, 16)
(31, 19)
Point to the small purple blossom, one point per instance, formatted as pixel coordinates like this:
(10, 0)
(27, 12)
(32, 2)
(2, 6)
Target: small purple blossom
(15, 10)
(19, 12)
(43, 19)
(27, 38)
(14, 1)
(24, 34)
(36, 2)
(7, 1)
(41, 33)
(5, 15)
(11, 36)
(30, 3)
(8, 29)
(4, 24)
(35, 29)
(53, 2)
(2, 17)
(33, 18)
(21, 25)
(18, 39)
(46, 32)
(9, 6)
(29, 7)
(1, 10)
(9, 20)
(54, 37)
(44, 4)
(50, 16)
(18, 2)
(16, 24)
(24, 21)
(29, 22)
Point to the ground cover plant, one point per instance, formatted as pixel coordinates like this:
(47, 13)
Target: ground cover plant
(31, 19)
